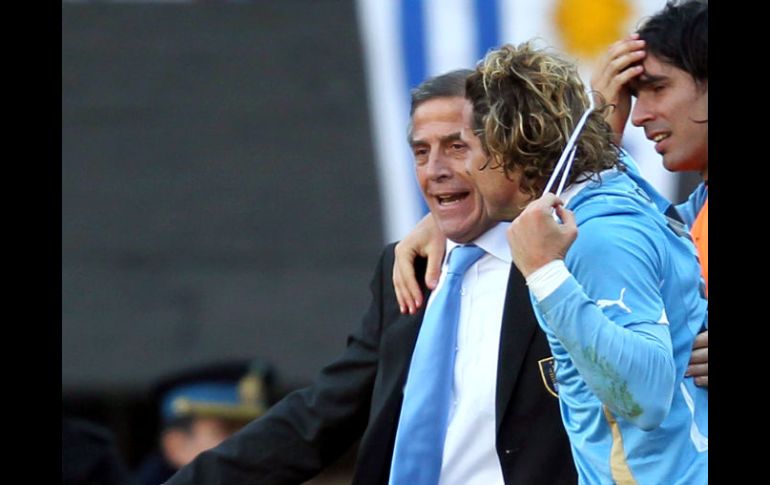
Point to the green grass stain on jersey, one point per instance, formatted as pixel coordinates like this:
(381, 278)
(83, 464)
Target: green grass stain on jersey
(613, 388)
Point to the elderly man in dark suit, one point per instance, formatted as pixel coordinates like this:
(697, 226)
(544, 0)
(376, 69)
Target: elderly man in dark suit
(502, 425)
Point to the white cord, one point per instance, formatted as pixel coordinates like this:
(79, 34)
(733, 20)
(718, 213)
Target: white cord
(569, 151)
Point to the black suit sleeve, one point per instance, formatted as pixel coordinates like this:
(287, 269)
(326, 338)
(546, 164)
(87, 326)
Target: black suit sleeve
(309, 428)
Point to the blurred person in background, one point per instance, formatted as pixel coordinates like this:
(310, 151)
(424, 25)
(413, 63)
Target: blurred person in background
(199, 408)
(90, 455)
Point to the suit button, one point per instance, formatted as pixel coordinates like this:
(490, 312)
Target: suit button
(511, 451)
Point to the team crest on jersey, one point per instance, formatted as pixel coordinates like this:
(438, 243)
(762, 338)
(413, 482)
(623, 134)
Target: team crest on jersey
(548, 374)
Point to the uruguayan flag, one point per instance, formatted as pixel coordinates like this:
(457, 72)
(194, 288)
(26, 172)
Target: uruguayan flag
(406, 41)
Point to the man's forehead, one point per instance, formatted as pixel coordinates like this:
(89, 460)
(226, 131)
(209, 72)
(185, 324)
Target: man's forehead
(655, 66)
(419, 138)
(467, 112)
(655, 70)
(438, 117)
(439, 103)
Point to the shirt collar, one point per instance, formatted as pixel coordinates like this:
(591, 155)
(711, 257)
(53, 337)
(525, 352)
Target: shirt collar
(494, 242)
(574, 189)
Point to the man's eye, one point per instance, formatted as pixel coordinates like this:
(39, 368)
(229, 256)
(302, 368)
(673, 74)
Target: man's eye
(420, 155)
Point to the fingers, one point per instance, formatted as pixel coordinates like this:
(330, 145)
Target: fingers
(700, 352)
(610, 79)
(568, 222)
(535, 237)
(700, 356)
(538, 208)
(699, 360)
(408, 292)
(697, 370)
(407, 289)
(617, 67)
(623, 52)
(546, 201)
(432, 272)
(625, 71)
(700, 373)
(549, 202)
(426, 239)
(701, 340)
(624, 46)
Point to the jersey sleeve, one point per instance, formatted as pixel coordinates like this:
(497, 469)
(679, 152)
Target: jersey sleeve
(609, 316)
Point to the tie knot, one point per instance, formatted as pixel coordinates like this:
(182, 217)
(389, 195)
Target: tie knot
(462, 257)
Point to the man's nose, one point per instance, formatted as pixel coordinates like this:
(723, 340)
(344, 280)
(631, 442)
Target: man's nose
(438, 166)
(641, 112)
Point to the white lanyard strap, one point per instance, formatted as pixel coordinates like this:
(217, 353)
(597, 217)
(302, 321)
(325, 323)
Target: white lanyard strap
(568, 153)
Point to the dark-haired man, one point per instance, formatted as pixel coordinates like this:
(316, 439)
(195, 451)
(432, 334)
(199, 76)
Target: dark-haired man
(665, 67)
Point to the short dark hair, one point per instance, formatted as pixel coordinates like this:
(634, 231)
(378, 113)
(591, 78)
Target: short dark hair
(679, 35)
(448, 85)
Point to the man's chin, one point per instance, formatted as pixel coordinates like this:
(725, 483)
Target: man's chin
(465, 234)
(460, 236)
(501, 215)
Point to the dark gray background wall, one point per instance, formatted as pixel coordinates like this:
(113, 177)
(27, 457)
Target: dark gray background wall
(218, 188)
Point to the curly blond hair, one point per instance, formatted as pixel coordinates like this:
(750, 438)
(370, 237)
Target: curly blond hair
(526, 103)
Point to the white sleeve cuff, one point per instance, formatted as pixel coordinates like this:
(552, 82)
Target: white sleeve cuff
(545, 280)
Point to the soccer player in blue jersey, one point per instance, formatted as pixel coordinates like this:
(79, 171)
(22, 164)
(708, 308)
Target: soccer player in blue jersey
(615, 286)
(664, 66)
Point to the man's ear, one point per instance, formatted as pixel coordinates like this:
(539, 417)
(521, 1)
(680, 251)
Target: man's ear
(174, 443)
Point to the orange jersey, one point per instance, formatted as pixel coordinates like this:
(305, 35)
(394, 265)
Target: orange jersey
(700, 236)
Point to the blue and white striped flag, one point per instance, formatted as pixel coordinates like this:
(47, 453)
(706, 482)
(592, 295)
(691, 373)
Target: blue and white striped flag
(406, 41)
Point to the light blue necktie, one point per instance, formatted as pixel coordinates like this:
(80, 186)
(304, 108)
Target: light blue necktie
(428, 391)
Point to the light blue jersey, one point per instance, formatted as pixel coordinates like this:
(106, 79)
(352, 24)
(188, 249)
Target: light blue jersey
(621, 329)
(690, 208)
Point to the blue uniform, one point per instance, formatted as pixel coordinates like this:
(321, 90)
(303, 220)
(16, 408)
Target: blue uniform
(690, 208)
(621, 329)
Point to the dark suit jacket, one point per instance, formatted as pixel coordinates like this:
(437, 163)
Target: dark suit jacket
(360, 394)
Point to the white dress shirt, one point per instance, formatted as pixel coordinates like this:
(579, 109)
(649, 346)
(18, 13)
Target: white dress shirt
(470, 457)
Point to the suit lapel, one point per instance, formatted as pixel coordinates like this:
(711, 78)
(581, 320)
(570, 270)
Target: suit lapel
(376, 448)
(399, 336)
(516, 332)
(403, 334)
(405, 329)
(396, 347)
